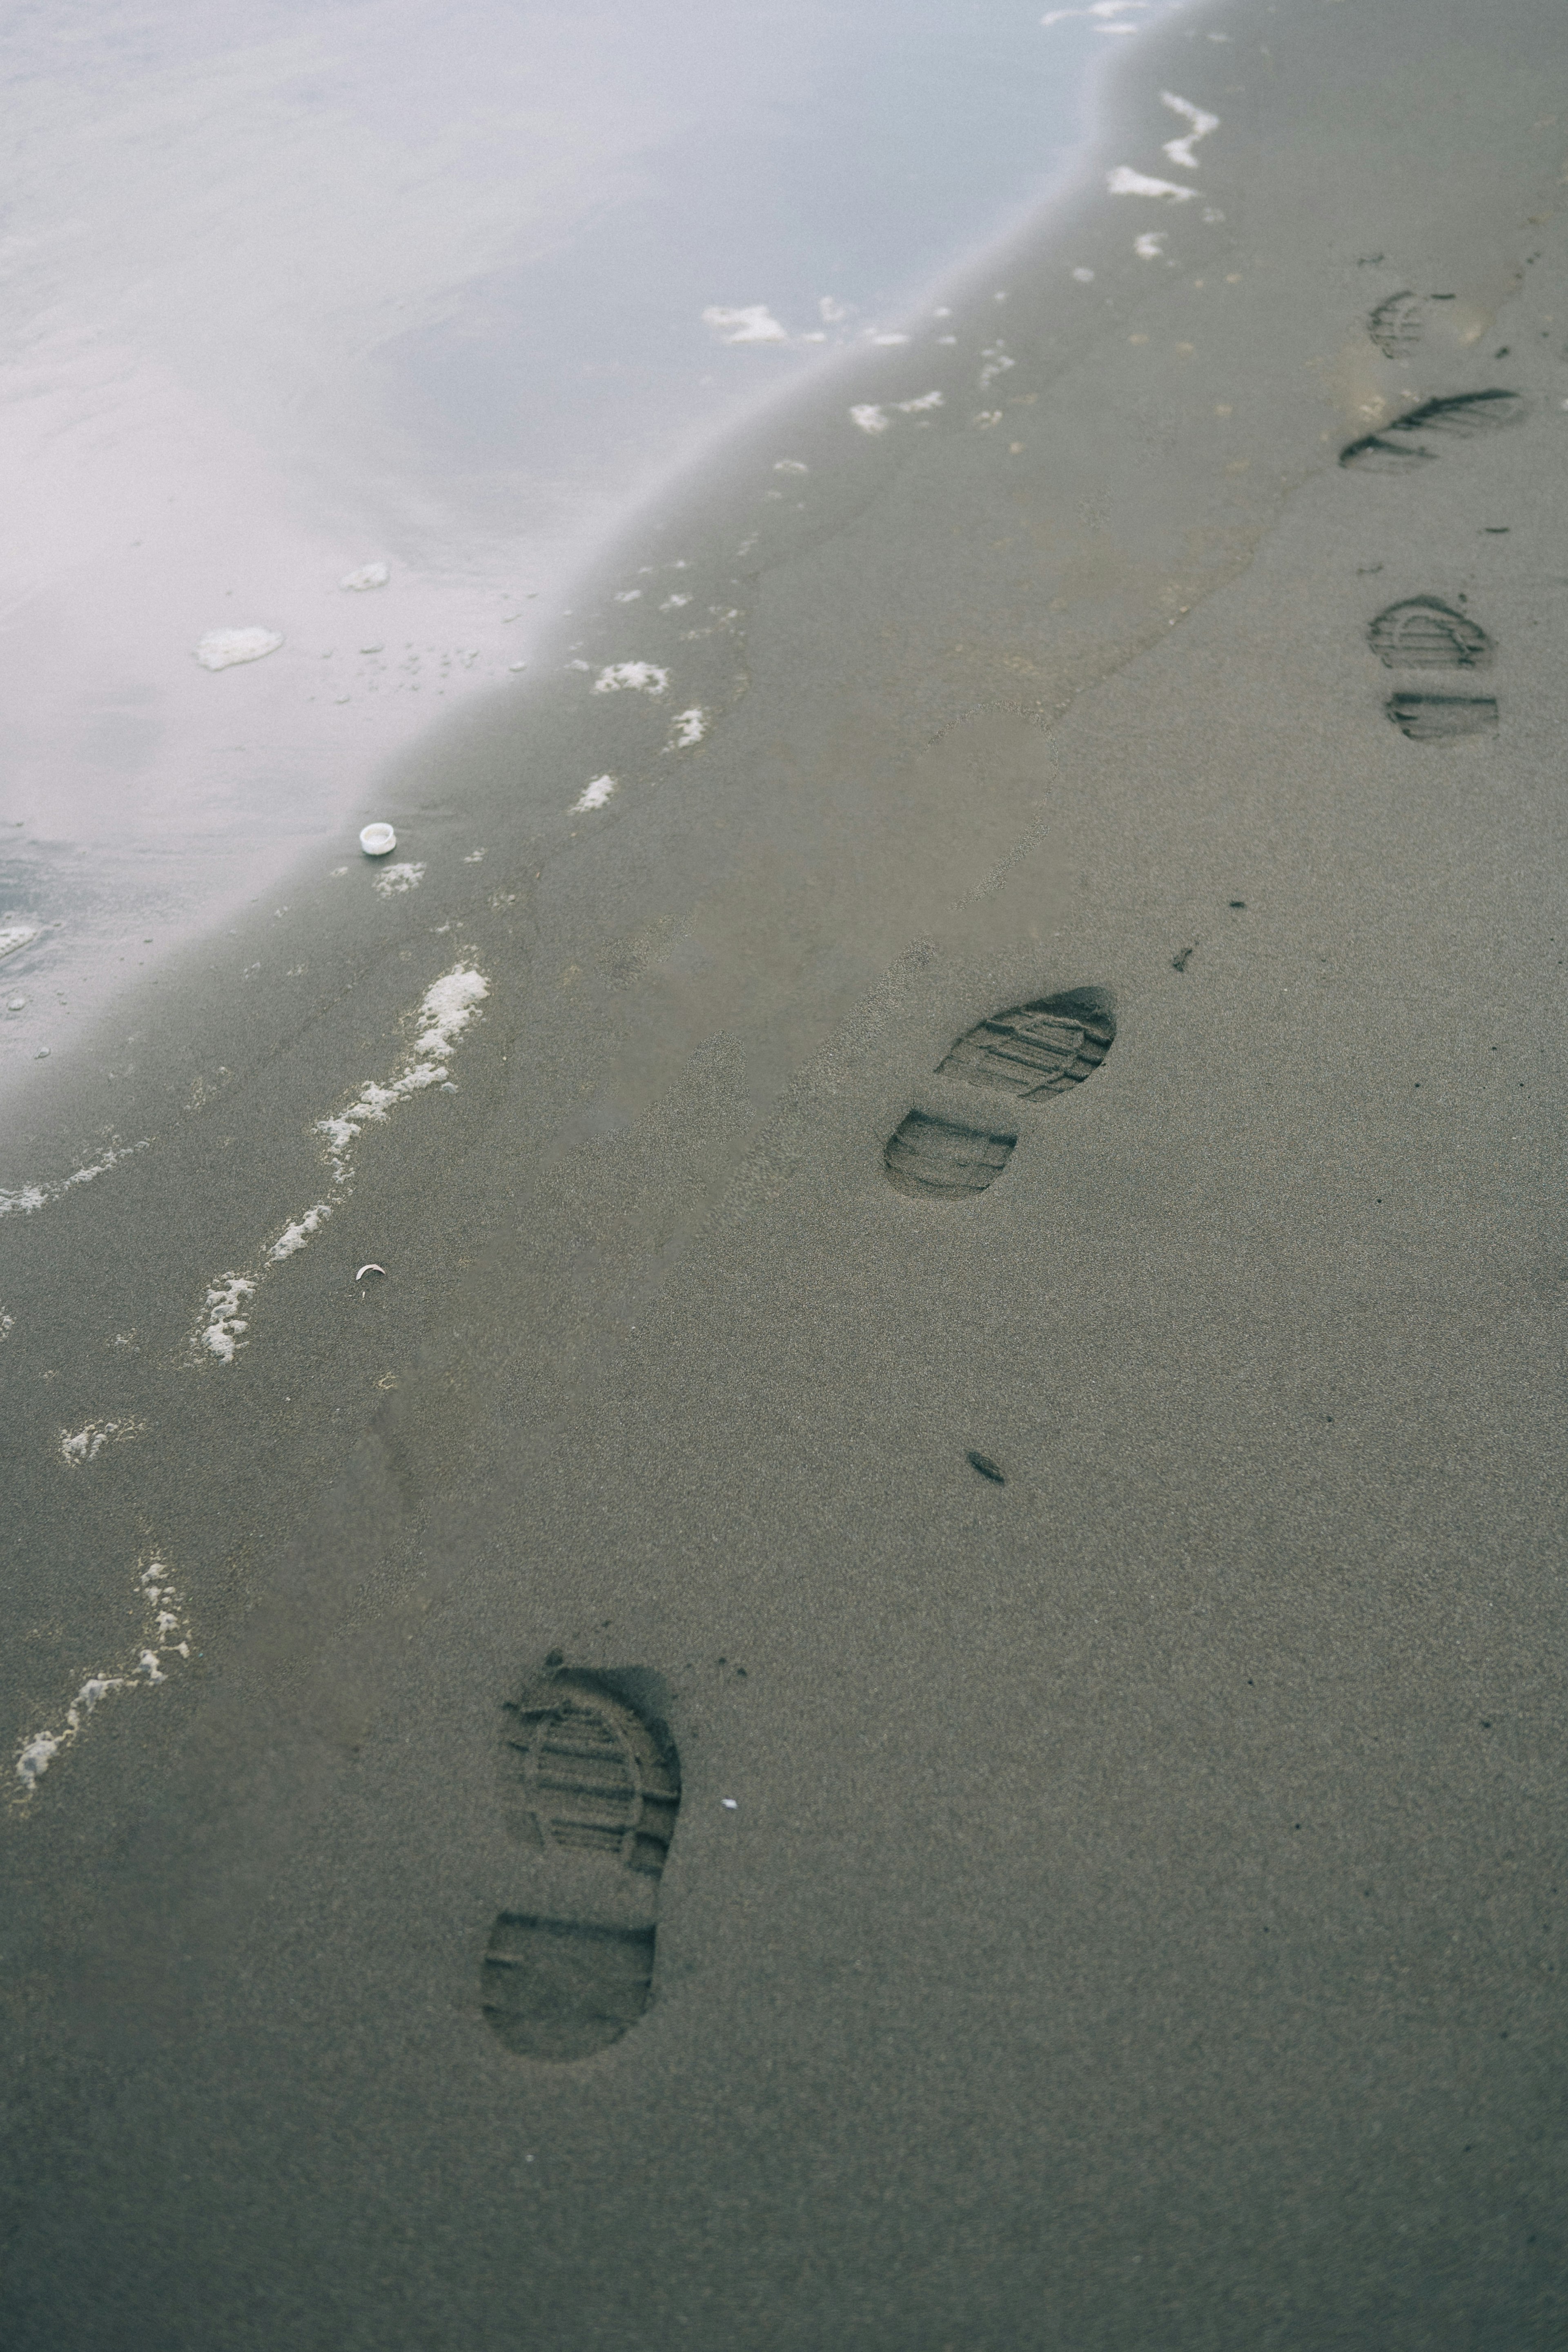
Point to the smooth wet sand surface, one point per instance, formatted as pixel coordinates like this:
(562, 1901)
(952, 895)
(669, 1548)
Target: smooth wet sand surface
(1136, 1919)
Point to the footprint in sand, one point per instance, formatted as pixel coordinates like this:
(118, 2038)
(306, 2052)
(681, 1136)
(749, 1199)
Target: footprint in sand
(1459, 416)
(1423, 633)
(1029, 1053)
(1438, 717)
(1396, 325)
(592, 1788)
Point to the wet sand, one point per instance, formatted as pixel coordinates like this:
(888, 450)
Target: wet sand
(1111, 1902)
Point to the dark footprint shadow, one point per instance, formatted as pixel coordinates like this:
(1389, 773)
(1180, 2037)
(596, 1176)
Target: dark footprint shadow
(1459, 416)
(1438, 718)
(591, 1787)
(1045, 1048)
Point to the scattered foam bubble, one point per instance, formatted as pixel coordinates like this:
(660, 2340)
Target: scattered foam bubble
(594, 795)
(393, 880)
(1125, 181)
(303, 1229)
(39, 1196)
(165, 1637)
(445, 1011)
(631, 677)
(80, 1445)
(1105, 15)
(753, 322)
(869, 417)
(16, 936)
(224, 1329)
(222, 648)
(687, 728)
(1180, 151)
(369, 575)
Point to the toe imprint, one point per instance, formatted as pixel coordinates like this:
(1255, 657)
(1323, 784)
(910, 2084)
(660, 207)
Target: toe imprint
(586, 1773)
(1036, 1049)
(1396, 325)
(1423, 633)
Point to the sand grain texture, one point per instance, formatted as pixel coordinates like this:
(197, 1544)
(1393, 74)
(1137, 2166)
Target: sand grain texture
(1114, 1902)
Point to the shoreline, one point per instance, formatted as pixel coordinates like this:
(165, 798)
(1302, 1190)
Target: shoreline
(98, 849)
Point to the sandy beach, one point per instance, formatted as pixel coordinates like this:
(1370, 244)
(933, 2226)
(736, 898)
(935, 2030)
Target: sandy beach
(1059, 1512)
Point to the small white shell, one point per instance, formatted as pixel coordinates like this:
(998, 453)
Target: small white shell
(378, 840)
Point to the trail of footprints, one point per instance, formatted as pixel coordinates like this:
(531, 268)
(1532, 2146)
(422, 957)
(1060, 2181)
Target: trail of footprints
(591, 1784)
(1423, 633)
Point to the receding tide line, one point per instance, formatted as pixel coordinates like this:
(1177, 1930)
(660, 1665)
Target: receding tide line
(445, 1011)
(39, 1196)
(165, 1639)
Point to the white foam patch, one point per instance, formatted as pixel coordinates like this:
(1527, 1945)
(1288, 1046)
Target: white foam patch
(447, 1008)
(913, 407)
(791, 466)
(39, 1196)
(369, 575)
(594, 795)
(80, 1445)
(222, 648)
(687, 728)
(1151, 245)
(997, 362)
(393, 880)
(1125, 181)
(628, 595)
(674, 603)
(1180, 151)
(1106, 16)
(164, 1642)
(632, 678)
(869, 417)
(224, 1329)
(753, 322)
(300, 1233)
(16, 936)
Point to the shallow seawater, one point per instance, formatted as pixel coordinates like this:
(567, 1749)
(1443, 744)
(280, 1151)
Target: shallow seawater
(341, 341)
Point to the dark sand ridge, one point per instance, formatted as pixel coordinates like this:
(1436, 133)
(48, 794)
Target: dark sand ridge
(1137, 1920)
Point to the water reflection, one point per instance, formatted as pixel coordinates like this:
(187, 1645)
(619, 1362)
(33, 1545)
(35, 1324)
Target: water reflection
(313, 289)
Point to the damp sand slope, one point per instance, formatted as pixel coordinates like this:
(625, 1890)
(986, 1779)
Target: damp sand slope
(900, 1682)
